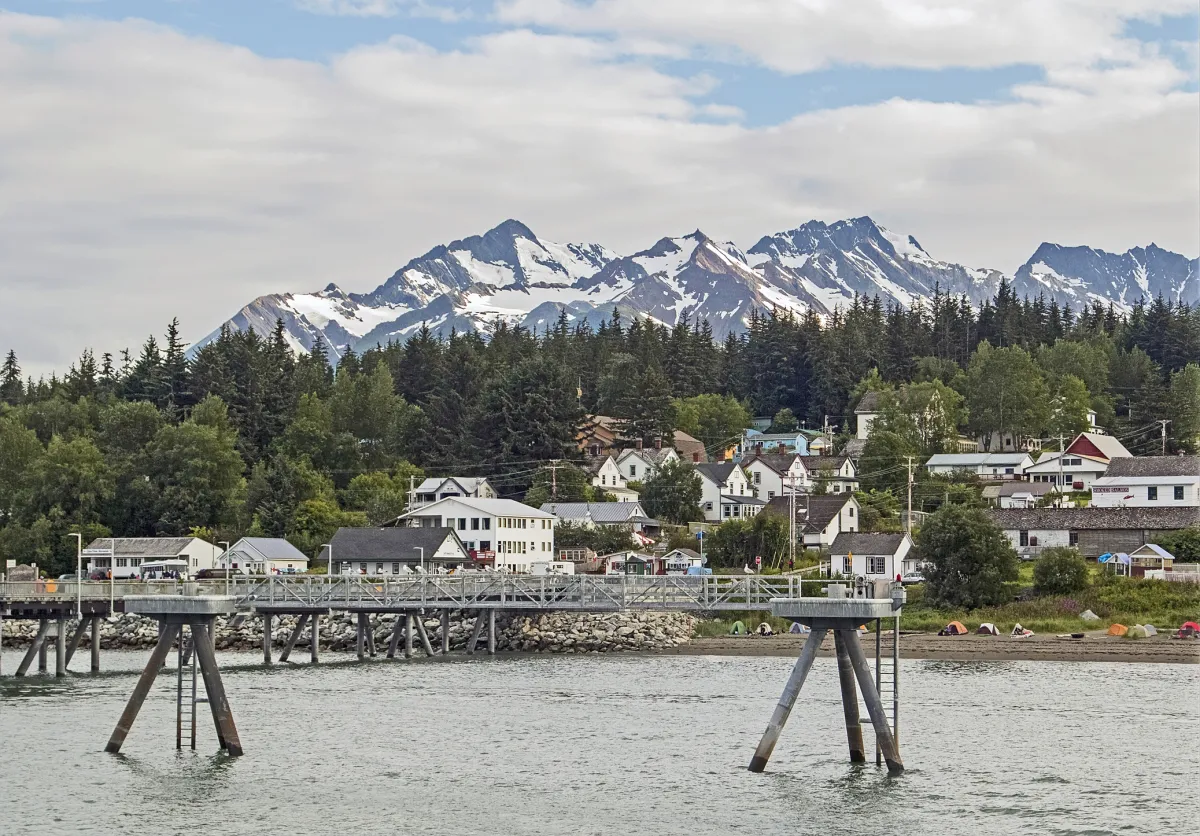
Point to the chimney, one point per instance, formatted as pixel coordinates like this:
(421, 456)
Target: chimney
(695, 458)
(658, 443)
(639, 444)
(758, 448)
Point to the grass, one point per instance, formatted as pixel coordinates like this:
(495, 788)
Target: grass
(1125, 601)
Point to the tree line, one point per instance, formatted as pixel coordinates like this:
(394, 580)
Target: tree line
(244, 436)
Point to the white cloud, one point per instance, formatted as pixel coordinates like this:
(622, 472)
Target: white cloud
(802, 35)
(147, 174)
(353, 8)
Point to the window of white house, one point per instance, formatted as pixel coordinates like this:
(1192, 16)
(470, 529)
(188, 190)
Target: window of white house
(847, 565)
(632, 470)
(876, 565)
(1178, 492)
(1152, 493)
(395, 568)
(1023, 538)
(462, 523)
(474, 523)
(487, 524)
(851, 510)
(757, 478)
(770, 494)
(725, 510)
(1072, 538)
(378, 568)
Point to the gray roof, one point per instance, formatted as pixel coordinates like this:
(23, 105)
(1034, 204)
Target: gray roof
(271, 548)
(1013, 488)
(735, 499)
(600, 512)
(975, 459)
(823, 462)
(389, 544)
(854, 448)
(1135, 466)
(689, 553)
(815, 513)
(142, 546)
(717, 472)
(866, 544)
(433, 484)
(1094, 519)
(868, 403)
(779, 463)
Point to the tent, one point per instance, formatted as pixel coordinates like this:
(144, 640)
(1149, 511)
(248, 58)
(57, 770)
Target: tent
(764, 629)
(798, 628)
(738, 629)
(1019, 632)
(1150, 629)
(1088, 615)
(1193, 626)
(954, 628)
(1137, 631)
(1118, 630)
(987, 628)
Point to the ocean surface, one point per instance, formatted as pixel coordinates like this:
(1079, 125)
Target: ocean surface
(604, 745)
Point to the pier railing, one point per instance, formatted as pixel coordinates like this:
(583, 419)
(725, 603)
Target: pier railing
(596, 593)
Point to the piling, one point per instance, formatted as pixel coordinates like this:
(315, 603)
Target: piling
(60, 648)
(408, 635)
(790, 691)
(314, 651)
(35, 648)
(491, 632)
(854, 736)
(301, 621)
(445, 632)
(95, 644)
(426, 645)
(266, 617)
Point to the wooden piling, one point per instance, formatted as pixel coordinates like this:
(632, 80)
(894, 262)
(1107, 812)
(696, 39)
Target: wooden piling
(166, 638)
(42, 648)
(95, 644)
(790, 691)
(76, 638)
(370, 637)
(394, 641)
(408, 635)
(314, 647)
(301, 621)
(491, 632)
(426, 645)
(227, 734)
(60, 648)
(854, 736)
(360, 636)
(445, 632)
(266, 638)
(883, 732)
(35, 648)
(476, 632)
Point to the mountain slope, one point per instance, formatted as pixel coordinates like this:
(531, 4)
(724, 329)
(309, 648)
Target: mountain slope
(509, 273)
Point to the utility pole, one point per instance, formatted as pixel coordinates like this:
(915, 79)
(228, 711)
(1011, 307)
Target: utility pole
(1061, 450)
(791, 479)
(553, 479)
(412, 491)
(908, 521)
(1164, 423)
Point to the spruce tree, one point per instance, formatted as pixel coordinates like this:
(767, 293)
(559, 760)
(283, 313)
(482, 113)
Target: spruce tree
(11, 387)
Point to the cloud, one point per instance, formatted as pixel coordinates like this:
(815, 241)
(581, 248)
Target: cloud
(147, 174)
(797, 36)
(384, 8)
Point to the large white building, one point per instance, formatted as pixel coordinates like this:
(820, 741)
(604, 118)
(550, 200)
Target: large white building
(1084, 461)
(123, 557)
(725, 492)
(1149, 482)
(444, 487)
(983, 465)
(517, 534)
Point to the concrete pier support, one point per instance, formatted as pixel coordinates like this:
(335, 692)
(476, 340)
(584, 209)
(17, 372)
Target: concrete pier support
(426, 645)
(790, 691)
(36, 648)
(60, 648)
(166, 637)
(370, 637)
(394, 641)
(491, 632)
(445, 632)
(267, 619)
(227, 734)
(95, 644)
(408, 635)
(42, 648)
(476, 632)
(76, 638)
(360, 636)
(883, 732)
(854, 735)
(301, 621)
(314, 647)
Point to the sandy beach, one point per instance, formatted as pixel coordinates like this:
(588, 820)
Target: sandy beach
(1095, 647)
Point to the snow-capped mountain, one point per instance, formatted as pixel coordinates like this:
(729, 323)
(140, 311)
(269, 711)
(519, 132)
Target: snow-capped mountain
(509, 273)
(1080, 275)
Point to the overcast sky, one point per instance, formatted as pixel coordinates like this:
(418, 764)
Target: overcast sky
(164, 158)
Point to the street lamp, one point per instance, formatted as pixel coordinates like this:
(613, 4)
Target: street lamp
(78, 574)
(421, 549)
(228, 565)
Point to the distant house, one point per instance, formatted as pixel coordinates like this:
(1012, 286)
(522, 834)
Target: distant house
(865, 413)
(515, 534)
(264, 556)
(725, 492)
(1149, 482)
(395, 551)
(592, 514)
(760, 443)
(983, 465)
(1006, 442)
(678, 561)
(872, 556)
(435, 488)
(597, 435)
(834, 474)
(820, 519)
(1016, 494)
(1085, 460)
(607, 476)
(1092, 530)
(772, 474)
(690, 449)
(639, 464)
(124, 556)
(1150, 558)
(632, 562)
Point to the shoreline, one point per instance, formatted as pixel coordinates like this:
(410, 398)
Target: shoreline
(969, 648)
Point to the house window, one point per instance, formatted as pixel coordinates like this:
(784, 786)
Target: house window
(837, 488)
(122, 561)
(851, 510)
(1152, 493)
(876, 565)
(378, 568)
(632, 470)
(707, 506)
(770, 494)
(395, 568)
(725, 509)
(1024, 539)
(757, 478)
(847, 565)
(474, 523)
(462, 523)
(1073, 538)
(485, 545)
(1178, 493)
(363, 568)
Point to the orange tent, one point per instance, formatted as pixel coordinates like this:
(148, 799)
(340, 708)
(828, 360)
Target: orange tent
(954, 628)
(1118, 630)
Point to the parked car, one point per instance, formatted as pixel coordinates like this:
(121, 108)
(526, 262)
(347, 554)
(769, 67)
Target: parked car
(69, 576)
(209, 574)
(98, 575)
(912, 577)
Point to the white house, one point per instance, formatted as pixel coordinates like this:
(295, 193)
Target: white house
(725, 492)
(984, 465)
(836, 474)
(1149, 482)
(264, 556)
(437, 487)
(517, 534)
(767, 444)
(1018, 494)
(772, 475)
(1083, 461)
(865, 414)
(592, 514)
(606, 475)
(397, 551)
(820, 519)
(1006, 442)
(638, 465)
(872, 556)
(124, 556)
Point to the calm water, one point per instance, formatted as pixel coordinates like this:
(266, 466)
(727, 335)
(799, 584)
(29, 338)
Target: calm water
(606, 745)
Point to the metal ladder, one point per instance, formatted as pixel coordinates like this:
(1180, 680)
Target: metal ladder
(887, 681)
(186, 698)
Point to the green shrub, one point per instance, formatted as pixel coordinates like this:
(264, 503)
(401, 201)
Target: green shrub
(1060, 571)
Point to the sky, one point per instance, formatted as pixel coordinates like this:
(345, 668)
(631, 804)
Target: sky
(163, 158)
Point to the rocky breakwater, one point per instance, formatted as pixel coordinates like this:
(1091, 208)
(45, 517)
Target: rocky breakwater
(557, 632)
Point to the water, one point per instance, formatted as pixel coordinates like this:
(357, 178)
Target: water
(602, 745)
